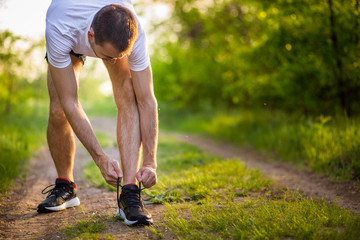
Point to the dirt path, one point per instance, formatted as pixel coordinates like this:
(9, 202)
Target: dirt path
(19, 219)
(18, 216)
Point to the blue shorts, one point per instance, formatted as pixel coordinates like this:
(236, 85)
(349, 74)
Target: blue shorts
(82, 57)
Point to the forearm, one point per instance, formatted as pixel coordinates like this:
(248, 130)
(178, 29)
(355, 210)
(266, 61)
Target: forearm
(66, 87)
(149, 132)
(82, 128)
(146, 101)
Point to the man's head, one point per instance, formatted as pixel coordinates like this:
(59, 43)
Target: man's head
(113, 32)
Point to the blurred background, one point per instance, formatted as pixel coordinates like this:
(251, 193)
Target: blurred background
(280, 77)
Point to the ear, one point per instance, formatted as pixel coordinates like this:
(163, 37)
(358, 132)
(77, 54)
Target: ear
(91, 34)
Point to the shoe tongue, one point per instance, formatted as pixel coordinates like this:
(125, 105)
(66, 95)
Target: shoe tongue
(62, 181)
(130, 187)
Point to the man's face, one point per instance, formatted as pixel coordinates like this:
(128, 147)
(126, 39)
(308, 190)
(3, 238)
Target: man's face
(106, 52)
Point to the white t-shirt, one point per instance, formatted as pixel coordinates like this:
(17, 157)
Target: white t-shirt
(67, 26)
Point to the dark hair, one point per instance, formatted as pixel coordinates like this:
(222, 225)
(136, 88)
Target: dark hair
(116, 25)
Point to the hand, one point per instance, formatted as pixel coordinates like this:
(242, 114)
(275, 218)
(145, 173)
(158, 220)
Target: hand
(147, 176)
(110, 170)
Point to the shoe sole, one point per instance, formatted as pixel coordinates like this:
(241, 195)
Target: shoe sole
(68, 204)
(122, 215)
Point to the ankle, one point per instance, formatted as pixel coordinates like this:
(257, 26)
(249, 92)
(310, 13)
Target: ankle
(130, 181)
(66, 177)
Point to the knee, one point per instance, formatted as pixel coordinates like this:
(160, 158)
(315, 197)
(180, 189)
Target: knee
(57, 116)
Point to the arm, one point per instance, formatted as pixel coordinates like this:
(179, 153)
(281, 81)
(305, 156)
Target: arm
(66, 87)
(147, 105)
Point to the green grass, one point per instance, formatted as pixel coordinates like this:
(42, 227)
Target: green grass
(211, 180)
(207, 197)
(105, 140)
(93, 175)
(326, 145)
(21, 133)
(86, 229)
(186, 173)
(290, 217)
(91, 171)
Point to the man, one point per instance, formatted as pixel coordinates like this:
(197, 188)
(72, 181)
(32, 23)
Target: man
(110, 30)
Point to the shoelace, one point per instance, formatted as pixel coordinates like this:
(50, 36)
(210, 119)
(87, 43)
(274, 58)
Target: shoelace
(55, 189)
(132, 202)
(117, 192)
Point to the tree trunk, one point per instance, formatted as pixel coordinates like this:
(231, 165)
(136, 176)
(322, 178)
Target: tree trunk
(357, 32)
(338, 70)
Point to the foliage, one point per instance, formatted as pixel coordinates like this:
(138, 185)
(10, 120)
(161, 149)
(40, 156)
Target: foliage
(22, 109)
(262, 72)
(21, 78)
(92, 79)
(299, 56)
(20, 135)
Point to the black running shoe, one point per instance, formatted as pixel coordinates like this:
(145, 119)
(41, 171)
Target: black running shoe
(131, 208)
(62, 196)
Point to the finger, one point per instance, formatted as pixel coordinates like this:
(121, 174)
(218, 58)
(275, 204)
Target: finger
(113, 182)
(117, 170)
(149, 178)
(111, 177)
(145, 176)
(154, 179)
(149, 184)
(139, 176)
(109, 180)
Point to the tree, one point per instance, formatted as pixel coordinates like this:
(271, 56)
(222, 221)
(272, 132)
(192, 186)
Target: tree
(9, 62)
(292, 55)
(18, 82)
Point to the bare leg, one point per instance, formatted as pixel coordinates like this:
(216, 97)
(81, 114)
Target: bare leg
(60, 136)
(128, 124)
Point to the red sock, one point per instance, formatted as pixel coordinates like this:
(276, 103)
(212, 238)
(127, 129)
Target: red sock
(68, 180)
(129, 184)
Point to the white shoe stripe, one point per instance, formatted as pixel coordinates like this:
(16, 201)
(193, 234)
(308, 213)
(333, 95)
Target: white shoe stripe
(122, 215)
(68, 204)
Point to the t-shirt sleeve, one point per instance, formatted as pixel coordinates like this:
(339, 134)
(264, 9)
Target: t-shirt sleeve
(139, 57)
(58, 48)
